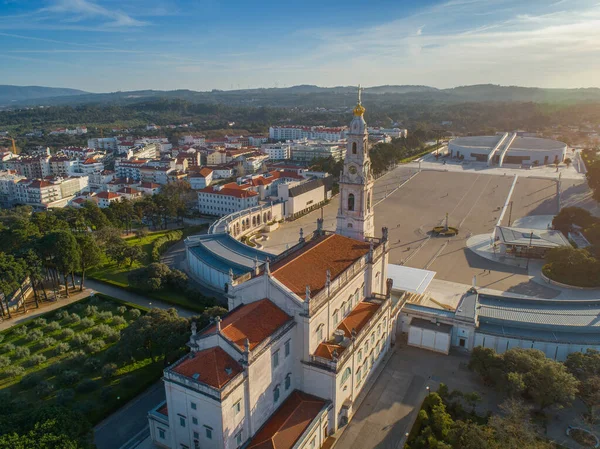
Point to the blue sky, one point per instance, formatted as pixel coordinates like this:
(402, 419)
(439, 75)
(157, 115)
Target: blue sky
(109, 45)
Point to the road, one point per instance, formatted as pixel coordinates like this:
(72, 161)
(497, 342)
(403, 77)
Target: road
(129, 420)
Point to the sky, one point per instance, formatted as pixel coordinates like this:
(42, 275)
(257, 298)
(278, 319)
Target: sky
(111, 45)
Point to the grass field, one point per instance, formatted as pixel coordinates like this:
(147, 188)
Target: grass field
(66, 356)
(109, 272)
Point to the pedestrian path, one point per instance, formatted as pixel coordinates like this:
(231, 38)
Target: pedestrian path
(45, 307)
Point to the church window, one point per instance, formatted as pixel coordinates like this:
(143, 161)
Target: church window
(351, 201)
(349, 225)
(320, 332)
(356, 296)
(276, 394)
(369, 201)
(335, 317)
(344, 308)
(346, 375)
(353, 147)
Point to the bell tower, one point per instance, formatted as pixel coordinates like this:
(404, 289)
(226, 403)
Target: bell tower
(355, 217)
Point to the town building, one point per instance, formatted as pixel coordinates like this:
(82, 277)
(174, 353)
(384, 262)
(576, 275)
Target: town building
(105, 199)
(277, 151)
(8, 188)
(200, 179)
(225, 199)
(308, 151)
(292, 132)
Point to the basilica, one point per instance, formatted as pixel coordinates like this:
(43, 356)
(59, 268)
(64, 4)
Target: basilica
(304, 333)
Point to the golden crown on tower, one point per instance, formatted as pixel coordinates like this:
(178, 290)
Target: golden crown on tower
(359, 108)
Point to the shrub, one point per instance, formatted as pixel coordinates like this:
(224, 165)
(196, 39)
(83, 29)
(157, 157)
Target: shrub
(7, 347)
(121, 309)
(163, 243)
(107, 393)
(73, 319)
(68, 377)
(31, 380)
(33, 335)
(84, 407)
(92, 364)
(56, 368)
(46, 342)
(118, 321)
(109, 370)
(61, 315)
(95, 346)
(44, 388)
(65, 396)
(67, 333)
(134, 314)
(81, 339)
(4, 361)
(53, 326)
(76, 357)
(105, 316)
(20, 331)
(86, 386)
(36, 359)
(87, 322)
(22, 352)
(113, 337)
(14, 371)
(1, 338)
(39, 321)
(90, 311)
(129, 381)
(62, 348)
(102, 330)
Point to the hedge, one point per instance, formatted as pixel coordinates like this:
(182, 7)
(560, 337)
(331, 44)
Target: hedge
(163, 243)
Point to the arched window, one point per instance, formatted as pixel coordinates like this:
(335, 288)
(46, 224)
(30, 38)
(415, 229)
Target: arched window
(265, 217)
(276, 394)
(288, 381)
(343, 309)
(353, 147)
(349, 225)
(369, 201)
(359, 356)
(356, 296)
(351, 201)
(320, 332)
(346, 375)
(335, 317)
(253, 221)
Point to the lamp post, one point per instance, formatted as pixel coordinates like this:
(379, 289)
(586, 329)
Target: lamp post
(428, 389)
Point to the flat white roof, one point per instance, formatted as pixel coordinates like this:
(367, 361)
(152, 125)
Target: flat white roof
(413, 280)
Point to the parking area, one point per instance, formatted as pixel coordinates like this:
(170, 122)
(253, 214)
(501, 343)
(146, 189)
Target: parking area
(387, 411)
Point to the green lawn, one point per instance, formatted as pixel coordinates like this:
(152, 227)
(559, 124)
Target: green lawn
(48, 360)
(109, 272)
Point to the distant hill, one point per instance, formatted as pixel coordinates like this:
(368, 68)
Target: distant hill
(303, 96)
(16, 94)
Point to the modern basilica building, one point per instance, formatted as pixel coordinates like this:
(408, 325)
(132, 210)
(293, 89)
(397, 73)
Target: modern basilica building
(283, 368)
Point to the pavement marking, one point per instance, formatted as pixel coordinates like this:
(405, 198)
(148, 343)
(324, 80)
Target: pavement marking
(389, 194)
(475, 203)
(435, 256)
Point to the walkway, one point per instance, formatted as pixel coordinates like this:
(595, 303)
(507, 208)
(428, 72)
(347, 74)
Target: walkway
(45, 307)
(134, 298)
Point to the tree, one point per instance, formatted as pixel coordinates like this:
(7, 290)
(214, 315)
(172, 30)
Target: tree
(156, 334)
(61, 247)
(551, 384)
(585, 366)
(12, 274)
(488, 364)
(568, 161)
(132, 253)
(115, 250)
(90, 254)
(34, 268)
(42, 436)
(569, 216)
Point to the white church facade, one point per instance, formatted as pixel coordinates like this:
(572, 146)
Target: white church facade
(283, 368)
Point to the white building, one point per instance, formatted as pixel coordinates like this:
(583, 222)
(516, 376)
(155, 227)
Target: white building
(224, 199)
(105, 199)
(303, 335)
(8, 187)
(277, 151)
(307, 151)
(292, 132)
(200, 179)
(103, 143)
(392, 132)
(192, 139)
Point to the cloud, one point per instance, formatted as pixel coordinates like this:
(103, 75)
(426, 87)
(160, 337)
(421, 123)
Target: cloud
(76, 15)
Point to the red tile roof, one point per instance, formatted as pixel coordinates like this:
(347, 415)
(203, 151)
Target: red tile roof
(149, 185)
(213, 366)
(129, 191)
(107, 195)
(230, 191)
(164, 410)
(38, 184)
(255, 321)
(357, 319)
(309, 264)
(288, 423)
